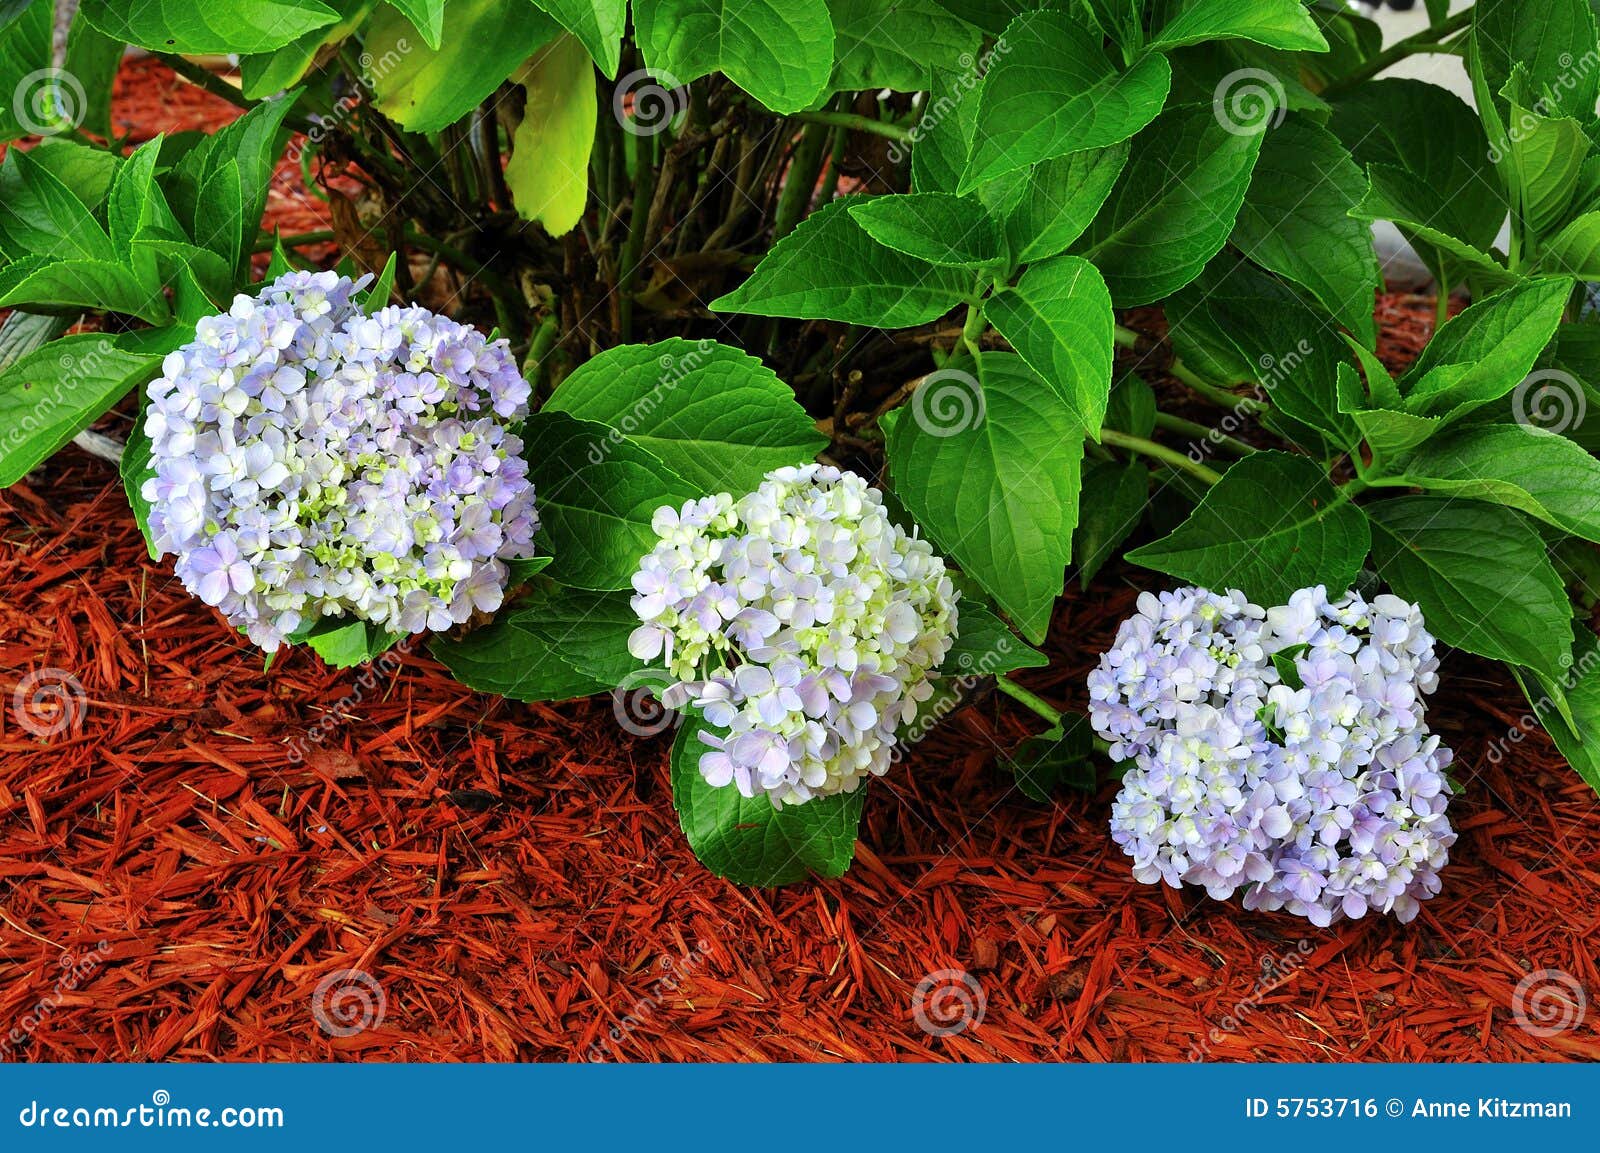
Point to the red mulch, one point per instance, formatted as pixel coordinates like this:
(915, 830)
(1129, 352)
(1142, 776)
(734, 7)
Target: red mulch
(174, 885)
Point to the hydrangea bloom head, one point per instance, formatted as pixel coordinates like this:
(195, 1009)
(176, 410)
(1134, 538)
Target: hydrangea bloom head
(1322, 794)
(799, 619)
(310, 460)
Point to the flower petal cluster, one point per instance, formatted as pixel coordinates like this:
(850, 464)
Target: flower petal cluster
(310, 460)
(1281, 751)
(799, 619)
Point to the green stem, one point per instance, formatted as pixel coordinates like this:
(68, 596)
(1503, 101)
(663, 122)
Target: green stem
(1125, 337)
(800, 182)
(1037, 703)
(972, 331)
(1169, 457)
(644, 189)
(855, 121)
(1424, 41)
(1202, 432)
(1216, 394)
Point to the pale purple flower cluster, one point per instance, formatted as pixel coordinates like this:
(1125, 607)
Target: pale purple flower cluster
(799, 619)
(1281, 751)
(310, 460)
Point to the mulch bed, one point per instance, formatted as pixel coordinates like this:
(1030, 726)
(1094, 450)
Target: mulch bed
(184, 861)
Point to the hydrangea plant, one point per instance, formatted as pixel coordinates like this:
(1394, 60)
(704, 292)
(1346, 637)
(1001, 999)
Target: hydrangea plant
(922, 252)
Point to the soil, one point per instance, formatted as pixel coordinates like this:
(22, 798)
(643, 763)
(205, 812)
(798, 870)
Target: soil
(201, 843)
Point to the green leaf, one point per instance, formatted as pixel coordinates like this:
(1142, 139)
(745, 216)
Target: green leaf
(1568, 706)
(265, 74)
(1059, 320)
(376, 296)
(1575, 250)
(598, 25)
(893, 43)
(998, 488)
(41, 216)
(1173, 206)
(1296, 221)
(346, 643)
(1388, 431)
(483, 42)
(1546, 157)
(203, 26)
(25, 50)
(828, 268)
(1553, 40)
(1059, 199)
(1114, 495)
(943, 136)
(427, 17)
(1271, 526)
(1058, 755)
(596, 497)
(135, 469)
(932, 226)
(1275, 23)
(1132, 408)
(92, 59)
(548, 174)
(1486, 350)
(1432, 136)
(40, 282)
(717, 417)
(23, 332)
(1480, 575)
(136, 206)
(985, 647)
(554, 644)
(779, 51)
(1053, 91)
(1538, 472)
(749, 842)
(1397, 195)
(48, 395)
(1288, 670)
(86, 172)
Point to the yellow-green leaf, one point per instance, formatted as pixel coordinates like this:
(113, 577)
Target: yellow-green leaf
(548, 174)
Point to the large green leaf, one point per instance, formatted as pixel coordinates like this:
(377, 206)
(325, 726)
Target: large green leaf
(716, 416)
(1546, 156)
(25, 51)
(1486, 350)
(1399, 195)
(1272, 525)
(932, 226)
(1059, 320)
(598, 24)
(1053, 91)
(893, 43)
(1568, 707)
(1553, 40)
(943, 136)
(1575, 250)
(1431, 134)
(829, 268)
(48, 395)
(992, 474)
(1296, 221)
(1541, 473)
(548, 174)
(779, 51)
(1275, 23)
(483, 42)
(427, 17)
(200, 26)
(1114, 496)
(1480, 574)
(79, 284)
(749, 842)
(984, 646)
(1059, 199)
(267, 73)
(553, 644)
(1173, 206)
(41, 216)
(597, 494)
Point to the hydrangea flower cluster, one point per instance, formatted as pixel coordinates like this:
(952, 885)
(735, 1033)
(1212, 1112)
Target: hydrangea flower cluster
(310, 460)
(1281, 751)
(799, 619)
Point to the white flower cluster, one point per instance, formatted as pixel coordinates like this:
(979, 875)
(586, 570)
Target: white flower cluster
(310, 460)
(1282, 751)
(799, 619)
